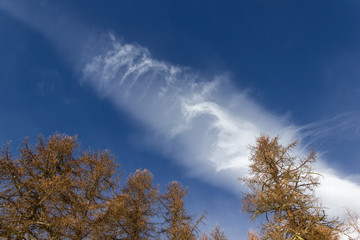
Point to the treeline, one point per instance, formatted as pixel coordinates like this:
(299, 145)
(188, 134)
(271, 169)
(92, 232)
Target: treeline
(53, 190)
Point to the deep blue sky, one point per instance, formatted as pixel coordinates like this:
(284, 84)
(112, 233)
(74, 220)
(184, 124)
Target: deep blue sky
(295, 60)
(299, 50)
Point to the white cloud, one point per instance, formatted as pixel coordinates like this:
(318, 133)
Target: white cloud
(338, 193)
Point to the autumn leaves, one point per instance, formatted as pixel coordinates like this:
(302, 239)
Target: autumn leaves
(281, 190)
(52, 190)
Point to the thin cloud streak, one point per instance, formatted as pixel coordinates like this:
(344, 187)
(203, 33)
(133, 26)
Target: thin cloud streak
(204, 124)
(49, 19)
(346, 125)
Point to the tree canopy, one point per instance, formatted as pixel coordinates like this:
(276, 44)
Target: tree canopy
(53, 190)
(281, 188)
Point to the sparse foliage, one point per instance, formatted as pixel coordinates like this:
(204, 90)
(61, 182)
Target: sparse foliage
(139, 197)
(52, 190)
(179, 225)
(131, 213)
(352, 224)
(282, 189)
(217, 234)
(252, 235)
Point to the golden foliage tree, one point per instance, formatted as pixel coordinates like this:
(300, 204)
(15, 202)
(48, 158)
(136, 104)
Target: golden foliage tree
(139, 198)
(252, 235)
(217, 234)
(53, 191)
(131, 214)
(352, 224)
(179, 225)
(281, 188)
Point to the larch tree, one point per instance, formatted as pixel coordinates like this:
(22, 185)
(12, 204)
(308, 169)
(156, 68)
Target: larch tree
(217, 234)
(252, 235)
(352, 224)
(179, 225)
(52, 190)
(137, 205)
(281, 188)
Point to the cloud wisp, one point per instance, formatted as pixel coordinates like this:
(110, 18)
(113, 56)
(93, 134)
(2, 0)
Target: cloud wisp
(203, 123)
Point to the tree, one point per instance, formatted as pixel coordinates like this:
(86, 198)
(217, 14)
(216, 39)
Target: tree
(179, 225)
(54, 191)
(352, 224)
(217, 234)
(252, 235)
(132, 213)
(282, 189)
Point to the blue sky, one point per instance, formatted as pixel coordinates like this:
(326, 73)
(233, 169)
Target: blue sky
(184, 87)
